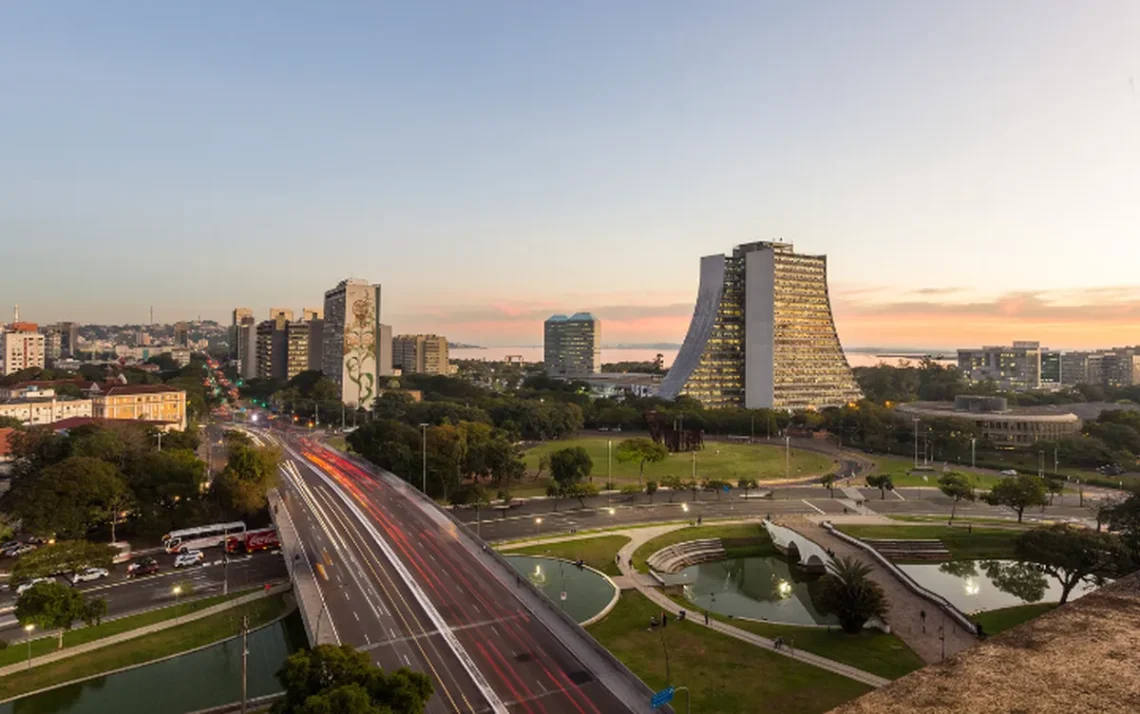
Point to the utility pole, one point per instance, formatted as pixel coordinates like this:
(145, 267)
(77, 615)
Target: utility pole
(752, 431)
(1056, 467)
(316, 416)
(244, 658)
(1041, 463)
(343, 422)
(609, 463)
(787, 457)
(694, 465)
(916, 442)
(423, 442)
(973, 453)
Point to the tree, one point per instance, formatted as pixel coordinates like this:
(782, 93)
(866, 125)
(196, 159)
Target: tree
(1105, 508)
(746, 485)
(694, 486)
(7, 422)
(1123, 518)
(1073, 555)
(63, 557)
(650, 489)
(1018, 492)
(717, 485)
(883, 482)
(641, 451)
(828, 481)
(1055, 487)
(850, 595)
(70, 498)
(570, 465)
(335, 680)
(53, 605)
(674, 484)
(543, 465)
(249, 474)
(581, 490)
(958, 486)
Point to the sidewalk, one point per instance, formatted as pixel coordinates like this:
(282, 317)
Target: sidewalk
(68, 652)
(904, 615)
(638, 536)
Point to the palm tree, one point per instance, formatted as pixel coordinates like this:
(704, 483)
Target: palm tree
(850, 595)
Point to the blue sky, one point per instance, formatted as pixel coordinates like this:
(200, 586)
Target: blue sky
(970, 165)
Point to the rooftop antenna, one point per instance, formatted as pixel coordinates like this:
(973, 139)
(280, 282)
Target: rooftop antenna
(152, 315)
(16, 313)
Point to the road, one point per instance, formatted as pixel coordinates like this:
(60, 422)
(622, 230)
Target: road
(400, 585)
(127, 596)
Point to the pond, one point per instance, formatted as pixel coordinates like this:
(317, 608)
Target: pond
(976, 585)
(768, 588)
(581, 592)
(199, 680)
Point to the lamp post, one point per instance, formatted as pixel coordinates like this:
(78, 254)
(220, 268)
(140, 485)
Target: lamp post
(28, 636)
(537, 523)
(177, 603)
(423, 442)
(787, 457)
(916, 442)
(609, 463)
(973, 453)
(1041, 463)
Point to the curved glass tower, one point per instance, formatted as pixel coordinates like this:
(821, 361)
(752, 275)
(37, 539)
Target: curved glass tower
(762, 334)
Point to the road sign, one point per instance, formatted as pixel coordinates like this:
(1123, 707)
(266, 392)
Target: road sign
(662, 698)
(562, 595)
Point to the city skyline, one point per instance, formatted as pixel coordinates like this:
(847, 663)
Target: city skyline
(965, 166)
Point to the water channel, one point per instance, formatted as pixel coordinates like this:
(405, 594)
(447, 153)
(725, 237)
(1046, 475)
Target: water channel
(976, 585)
(580, 592)
(766, 588)
(199, 680)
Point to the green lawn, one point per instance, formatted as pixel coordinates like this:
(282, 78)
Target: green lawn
(744, 539)
(718, 460)
(726, 675)
(597, 553)
(983, 543)
(337, 442)
(18, 652)
(144, 649)
(995, 621)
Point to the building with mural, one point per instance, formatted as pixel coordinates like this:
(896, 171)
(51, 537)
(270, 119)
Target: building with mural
(357, 349)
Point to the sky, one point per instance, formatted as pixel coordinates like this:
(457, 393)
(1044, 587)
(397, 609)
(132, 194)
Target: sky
(971, 169)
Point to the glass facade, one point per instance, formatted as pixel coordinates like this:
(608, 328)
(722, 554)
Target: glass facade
(718, 379)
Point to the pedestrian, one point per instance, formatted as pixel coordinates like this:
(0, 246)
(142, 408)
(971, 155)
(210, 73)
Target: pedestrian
(706, 617)
(922, 616)
(970, 528)
(792, 645)
(698, 520)
(267, 587)
(777, 643)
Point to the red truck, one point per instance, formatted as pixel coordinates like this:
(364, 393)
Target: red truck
(251, 541)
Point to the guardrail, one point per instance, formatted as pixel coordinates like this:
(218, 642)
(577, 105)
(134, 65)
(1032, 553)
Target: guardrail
(509, 571)
(942, 603)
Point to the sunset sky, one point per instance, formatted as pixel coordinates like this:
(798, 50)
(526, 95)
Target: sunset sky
(971, 169)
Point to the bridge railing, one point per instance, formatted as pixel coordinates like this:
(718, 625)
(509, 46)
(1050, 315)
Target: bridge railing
(508, 571)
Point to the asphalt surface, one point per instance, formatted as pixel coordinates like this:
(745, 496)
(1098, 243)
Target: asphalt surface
(128, 596)
(370, 606)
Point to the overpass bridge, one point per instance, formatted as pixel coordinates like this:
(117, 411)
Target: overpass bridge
(378, 566)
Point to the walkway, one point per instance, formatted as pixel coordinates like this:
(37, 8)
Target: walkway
(638, 536)
(904, 616)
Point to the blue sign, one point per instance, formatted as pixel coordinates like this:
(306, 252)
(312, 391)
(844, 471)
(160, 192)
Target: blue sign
(662, 698)
(727, 488)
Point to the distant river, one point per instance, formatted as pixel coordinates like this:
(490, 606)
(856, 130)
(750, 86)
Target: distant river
(638, 354)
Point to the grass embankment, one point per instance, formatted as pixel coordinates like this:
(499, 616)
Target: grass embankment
(47, 644)
(741, 540)
(598, 553)
(995, 621)
(725, 675)
(337, 442)
(143, 649)
(718, 460)
(981, 544)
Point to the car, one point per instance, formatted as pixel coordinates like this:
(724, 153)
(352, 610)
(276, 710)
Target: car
(88, 574)
(1008, 472)
(190, 557)
(144, 566)
(25, 587)
(19, 550)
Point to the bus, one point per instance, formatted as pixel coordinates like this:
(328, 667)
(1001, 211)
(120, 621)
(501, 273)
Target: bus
(209, 536)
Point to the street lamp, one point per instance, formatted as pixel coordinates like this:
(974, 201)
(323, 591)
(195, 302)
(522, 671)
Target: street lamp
(423, 443)
(916, 442)
(537, 523)
(787, 457)
(28, 629)
(177, 603)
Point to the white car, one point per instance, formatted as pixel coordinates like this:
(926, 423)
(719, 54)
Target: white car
(31, 584)
(190, 557)
(87, 574)
(18, 550)
(1008, 472)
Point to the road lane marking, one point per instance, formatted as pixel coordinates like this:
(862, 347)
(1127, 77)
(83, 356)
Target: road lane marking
(817, 510)
(356, 616)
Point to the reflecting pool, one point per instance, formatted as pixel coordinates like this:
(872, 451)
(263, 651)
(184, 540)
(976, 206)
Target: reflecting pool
(768, 588)
(206, 678)
(975, 585)
(580, 592)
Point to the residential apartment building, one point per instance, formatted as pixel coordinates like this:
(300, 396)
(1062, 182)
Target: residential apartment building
(240, 316)
(1120, 367)
(33, 405)
(53, 345)
(69, 339)
(572, 346)
(1081, 368)
(273, 346)
(420, 354)
(762, 334)
(1051, 363)
(147, 402)
(316, 319)
(21, 347)
(247, 348)
(181, 335)
(357, 348)
(1012, 368)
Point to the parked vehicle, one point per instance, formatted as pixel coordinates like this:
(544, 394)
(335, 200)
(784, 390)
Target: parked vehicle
(253, 541)
(18, 550)
(31, 584)
(88, 574)
(189, 558)
(143, 566)
(1008, 472)
(209, 536)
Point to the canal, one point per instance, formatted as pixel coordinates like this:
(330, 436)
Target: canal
(202, 679)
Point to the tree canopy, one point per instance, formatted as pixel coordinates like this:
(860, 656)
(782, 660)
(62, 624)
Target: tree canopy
(1073, 555)
(53, 605)
(62, 557)
(251, 471)
(641, 451)
(1018, 492)
(70, 498)
(958, 486)
(850, 595)
(570, 465)
(341, 680)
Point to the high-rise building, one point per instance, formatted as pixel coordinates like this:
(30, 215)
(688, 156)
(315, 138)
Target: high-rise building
(273, 347)
(316, 320)
(299, 338)
(1011, 368)
(1081, 368)
(22, 347)
(357, 349)
(1051, 362)
(423, 354)
(572, 346)
(247, 347)
(69, 339)
(762, 334)
(1120, 367)
(240, 315)
(181, 334)
(281, 312)
(53, 343)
